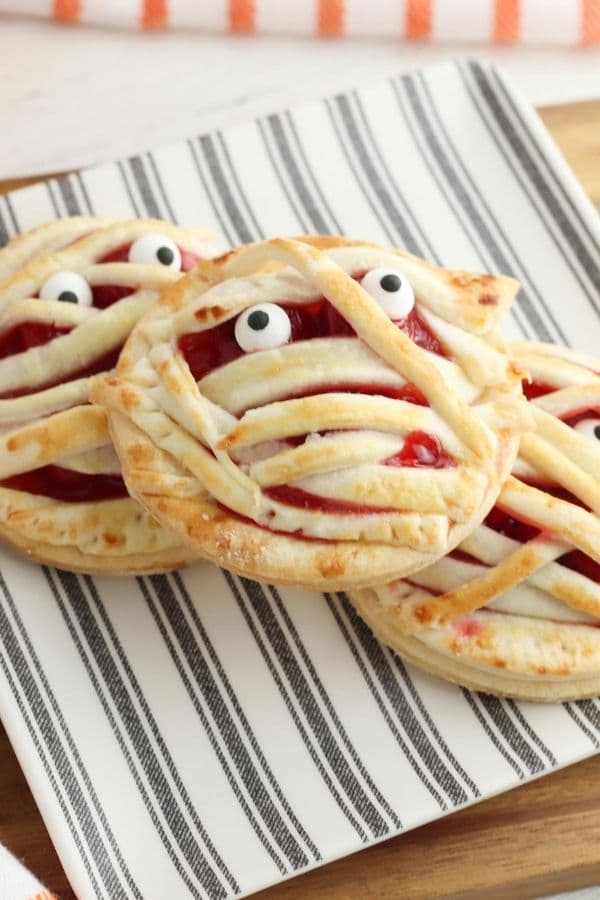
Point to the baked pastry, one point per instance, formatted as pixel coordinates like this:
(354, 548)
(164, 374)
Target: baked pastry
(62, 319)
(322, 412)
(45, 240)
(516, 609)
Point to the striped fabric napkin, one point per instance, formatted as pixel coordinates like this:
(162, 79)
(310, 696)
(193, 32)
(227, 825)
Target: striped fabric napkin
(201, 735)
(504, 21)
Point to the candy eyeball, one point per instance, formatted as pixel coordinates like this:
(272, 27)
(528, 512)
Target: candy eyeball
(262, 327)
(392, 291)
(589, 428)
(155, 249)
(68, 287)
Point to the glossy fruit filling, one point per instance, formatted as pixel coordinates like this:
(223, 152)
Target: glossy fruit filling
(25, 335)
(533, 389)
(420, 450)
(581, 415)
(205, 351)
(67, 486)
(102, 363)
(504, 523)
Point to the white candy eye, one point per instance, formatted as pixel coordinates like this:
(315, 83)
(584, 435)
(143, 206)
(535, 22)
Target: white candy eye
(68, 287)
(155, 249)
(262, 327)
(589, 428)
(391, 290)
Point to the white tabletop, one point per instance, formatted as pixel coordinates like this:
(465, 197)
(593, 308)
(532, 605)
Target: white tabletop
(71, 97)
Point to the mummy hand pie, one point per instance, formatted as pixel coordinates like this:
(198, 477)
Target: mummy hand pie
(64, 318)
(516, 609)
(320, 412)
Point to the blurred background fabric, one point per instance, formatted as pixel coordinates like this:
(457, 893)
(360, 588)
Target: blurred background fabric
(566, 22)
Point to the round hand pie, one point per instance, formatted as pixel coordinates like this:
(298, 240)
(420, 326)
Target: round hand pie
(64, 318)
(516, 609)
(319, 411)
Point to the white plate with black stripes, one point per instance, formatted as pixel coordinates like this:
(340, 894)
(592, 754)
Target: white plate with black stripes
(198, 735)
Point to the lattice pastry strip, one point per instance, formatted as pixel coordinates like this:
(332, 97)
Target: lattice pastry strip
(64, 318)
(517, 609)
(340, 426)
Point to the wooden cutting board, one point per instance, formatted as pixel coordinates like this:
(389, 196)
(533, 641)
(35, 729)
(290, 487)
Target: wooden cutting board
(539, 839)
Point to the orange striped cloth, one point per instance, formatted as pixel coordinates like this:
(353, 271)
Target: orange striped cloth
(573, 22)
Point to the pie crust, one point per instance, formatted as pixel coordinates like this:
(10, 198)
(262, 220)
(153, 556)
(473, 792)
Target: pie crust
(517, 611)
(50, 434)
(293, 463)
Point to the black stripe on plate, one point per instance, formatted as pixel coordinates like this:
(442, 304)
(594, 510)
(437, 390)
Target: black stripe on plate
(161, 187)
(518, 715)
(498, 712)
(67, 193)
(231, 207)
(545, 188)
(380, 669)
(474, 205)
(50, 745)
(127, 186)
(258, 231)
(466, 226)
(4, 232)
(280, 179)
(472, 699)
(206, 695)
(522, 174)
(422, 240)
(299, 184)
(55, 207)
(311, 697)
(380, 190)
(84, 193)
(303, 157)
(576, 715)
(306, 737)
(12, 214)
(146, 758)
(140, 176)
(197, 165)
(332, 109)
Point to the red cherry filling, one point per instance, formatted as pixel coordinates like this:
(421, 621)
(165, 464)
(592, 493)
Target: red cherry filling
(581, 415)
(207, 350)
(106, 294)
(421, 451)
(533, 389)
(293, 496)
(504, 523)
(121, 254)
(66, 485)
(25, 335)
(410, 393)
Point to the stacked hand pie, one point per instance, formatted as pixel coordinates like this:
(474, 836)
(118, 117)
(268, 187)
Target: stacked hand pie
(317, 411)
(72, 292)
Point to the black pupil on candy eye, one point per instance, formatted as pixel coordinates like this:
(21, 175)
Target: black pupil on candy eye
(390, 283)
(258, 320)
(597, 432)
(165, 255)
(68, 297)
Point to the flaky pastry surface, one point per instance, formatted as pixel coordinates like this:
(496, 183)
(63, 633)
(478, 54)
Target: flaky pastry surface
(46, 420)
(517, 611)
(217, 457)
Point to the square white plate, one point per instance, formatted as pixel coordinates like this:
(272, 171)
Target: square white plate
(198, 735)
